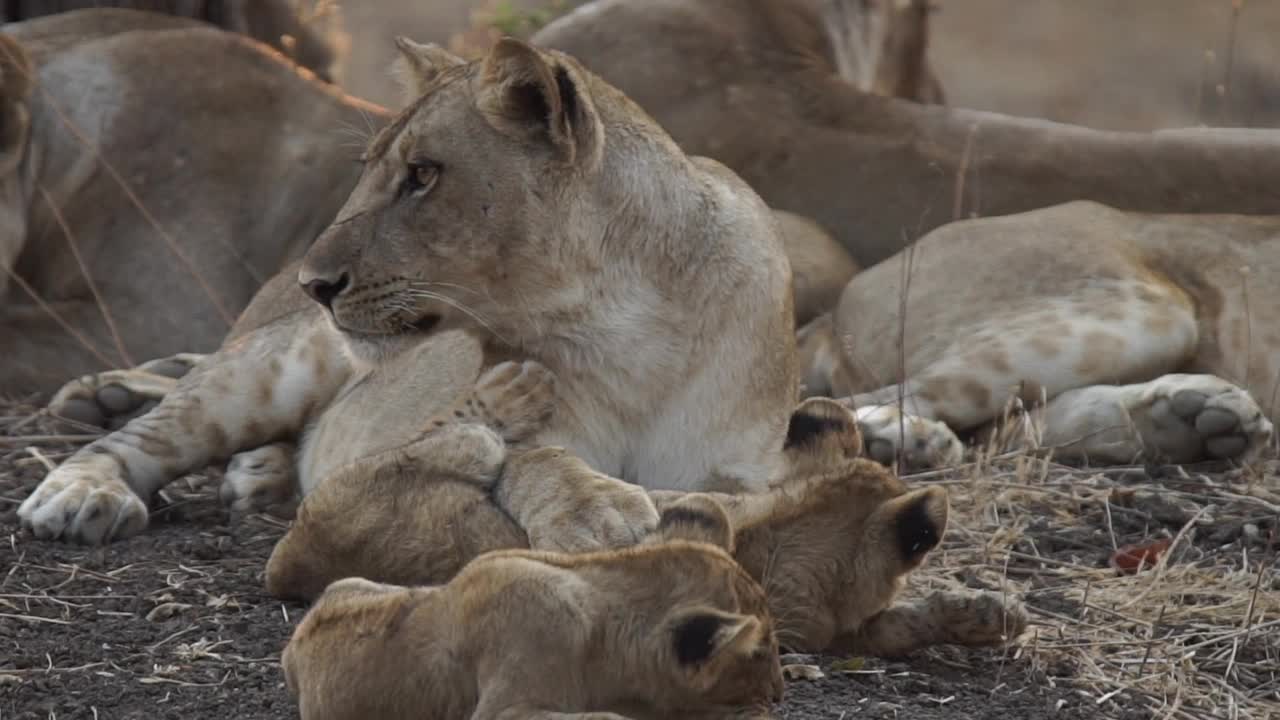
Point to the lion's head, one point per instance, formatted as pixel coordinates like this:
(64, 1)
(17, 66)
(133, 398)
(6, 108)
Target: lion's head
(473, 201)
(851, 529)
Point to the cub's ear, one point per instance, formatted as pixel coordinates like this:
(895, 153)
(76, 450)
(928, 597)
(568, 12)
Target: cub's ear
(419, 65)
(916, 522)
(542, 96)
(820, 426)
(697, 517)
(700, 635)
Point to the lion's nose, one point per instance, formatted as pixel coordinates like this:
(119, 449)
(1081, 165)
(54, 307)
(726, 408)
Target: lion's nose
(324, 290)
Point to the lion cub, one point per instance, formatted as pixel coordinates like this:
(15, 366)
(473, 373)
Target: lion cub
(832, 543)
(668, 629)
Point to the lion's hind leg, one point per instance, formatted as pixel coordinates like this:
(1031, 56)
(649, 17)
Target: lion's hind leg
(1100, 332)
(1176, 418)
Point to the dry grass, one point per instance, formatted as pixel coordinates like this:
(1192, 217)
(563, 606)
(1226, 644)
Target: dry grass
(1195, 636)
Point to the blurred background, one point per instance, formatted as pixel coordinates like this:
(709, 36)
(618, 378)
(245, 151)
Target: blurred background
(1116, 64)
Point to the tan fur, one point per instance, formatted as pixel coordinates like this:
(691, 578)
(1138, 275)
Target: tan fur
(820, 266)
(215, 227)
(674, 629)
(1148, 335)
(831, 543)
(746, 82)
(550, 214)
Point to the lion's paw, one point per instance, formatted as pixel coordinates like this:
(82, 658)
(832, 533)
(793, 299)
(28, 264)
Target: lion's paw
(979, 618)
(565, 506)
(260, 480)
(920, 443)
(602, 518)
(515, 399)
(110, 399)
(1206, 412)
(87, 503)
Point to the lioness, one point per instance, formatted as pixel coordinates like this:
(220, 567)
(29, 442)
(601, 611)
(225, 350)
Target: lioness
(1148, 335)
(664, 630)
(134, 233)
(524, 195)
(734, 80)
(521, 197)
(171, 226)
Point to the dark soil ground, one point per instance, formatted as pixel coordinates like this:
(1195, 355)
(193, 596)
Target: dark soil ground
(175, 623)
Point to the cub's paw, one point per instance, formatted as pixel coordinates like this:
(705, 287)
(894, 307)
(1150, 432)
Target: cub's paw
(978, 618)
(110, 399)
(920, 443)
(515, 399)
(87, 503)
(260, 480)
(1197, 417)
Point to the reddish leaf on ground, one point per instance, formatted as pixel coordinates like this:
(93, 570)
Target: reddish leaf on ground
(1130, 558)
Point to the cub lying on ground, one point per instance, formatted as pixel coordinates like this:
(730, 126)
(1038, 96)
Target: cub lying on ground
(666, 630)
(832, 543)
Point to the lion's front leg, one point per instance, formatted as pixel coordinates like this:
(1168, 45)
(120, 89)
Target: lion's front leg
(566, 506)
(259, 388)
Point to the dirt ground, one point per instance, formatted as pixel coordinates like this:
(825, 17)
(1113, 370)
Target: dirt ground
(175, 624)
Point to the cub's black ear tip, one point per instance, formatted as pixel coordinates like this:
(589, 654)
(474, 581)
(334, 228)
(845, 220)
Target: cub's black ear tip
(920, 524)
(694, 638)
(815, 419)
(699, 518)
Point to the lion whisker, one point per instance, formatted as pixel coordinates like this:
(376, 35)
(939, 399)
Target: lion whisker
(461, 307)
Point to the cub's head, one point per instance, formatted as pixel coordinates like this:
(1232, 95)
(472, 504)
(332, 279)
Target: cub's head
(849, 531)
(17, 77)
(472, 201)
(709, 641)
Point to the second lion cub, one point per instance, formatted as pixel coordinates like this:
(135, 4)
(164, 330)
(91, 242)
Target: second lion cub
(662, 630)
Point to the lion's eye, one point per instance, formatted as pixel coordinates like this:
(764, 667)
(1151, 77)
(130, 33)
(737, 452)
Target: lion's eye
(421, 176)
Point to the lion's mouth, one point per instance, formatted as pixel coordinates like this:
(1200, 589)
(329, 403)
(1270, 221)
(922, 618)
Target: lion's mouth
(426, 323)
(420, 326)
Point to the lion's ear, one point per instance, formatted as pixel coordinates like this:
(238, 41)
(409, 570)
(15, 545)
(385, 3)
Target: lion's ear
(697, 517)
(419, 66)
(541, 97)
(915, 523)
(702, 634)
(823, 427)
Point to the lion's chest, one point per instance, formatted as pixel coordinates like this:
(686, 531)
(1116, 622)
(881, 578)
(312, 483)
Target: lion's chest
(683, 444)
